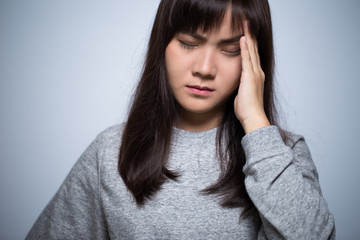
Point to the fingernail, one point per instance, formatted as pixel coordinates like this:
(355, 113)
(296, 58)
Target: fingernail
(244, 39)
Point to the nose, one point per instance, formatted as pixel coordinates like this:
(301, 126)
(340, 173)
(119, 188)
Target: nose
(205, 66)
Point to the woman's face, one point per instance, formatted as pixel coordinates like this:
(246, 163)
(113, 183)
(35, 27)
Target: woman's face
(204, 68)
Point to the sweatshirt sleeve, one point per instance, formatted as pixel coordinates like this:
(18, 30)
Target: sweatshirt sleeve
(75, 211)
(283, 184)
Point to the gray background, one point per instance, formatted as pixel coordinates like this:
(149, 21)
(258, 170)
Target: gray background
(68, 69)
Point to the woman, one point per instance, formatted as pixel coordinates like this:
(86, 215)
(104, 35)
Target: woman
(201, 155)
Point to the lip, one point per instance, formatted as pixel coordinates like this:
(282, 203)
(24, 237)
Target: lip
(199, 90)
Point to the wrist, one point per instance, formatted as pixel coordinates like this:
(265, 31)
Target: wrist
(251, 124)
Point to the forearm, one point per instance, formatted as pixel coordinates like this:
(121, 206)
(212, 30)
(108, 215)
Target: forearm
(282, 183)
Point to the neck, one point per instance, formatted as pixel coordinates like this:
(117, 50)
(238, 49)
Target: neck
(197, 122)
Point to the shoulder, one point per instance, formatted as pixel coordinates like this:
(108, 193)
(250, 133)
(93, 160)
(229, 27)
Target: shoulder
(109, 137)
(112, 132)
(105, 149)
(106, 144)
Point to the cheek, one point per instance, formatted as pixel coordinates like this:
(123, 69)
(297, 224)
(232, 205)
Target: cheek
(170, 57)
(232, 72)
(178, 63)
(236, 66)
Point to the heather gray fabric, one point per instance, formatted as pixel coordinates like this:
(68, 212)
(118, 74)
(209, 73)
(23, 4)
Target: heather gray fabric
(93, 202)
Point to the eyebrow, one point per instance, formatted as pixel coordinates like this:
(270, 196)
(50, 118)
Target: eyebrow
(223, 41)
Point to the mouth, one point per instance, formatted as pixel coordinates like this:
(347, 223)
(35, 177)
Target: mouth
(201, 90)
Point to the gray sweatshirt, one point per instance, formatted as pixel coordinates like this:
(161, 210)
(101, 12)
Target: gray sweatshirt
(281, 180)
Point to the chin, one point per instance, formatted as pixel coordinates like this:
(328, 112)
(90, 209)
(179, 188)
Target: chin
(199, 110)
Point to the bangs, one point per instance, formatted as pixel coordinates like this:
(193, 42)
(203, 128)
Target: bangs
(206, 15)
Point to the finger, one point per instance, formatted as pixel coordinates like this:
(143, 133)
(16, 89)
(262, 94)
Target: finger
(252, 46)
(245, 55)
(257, 54)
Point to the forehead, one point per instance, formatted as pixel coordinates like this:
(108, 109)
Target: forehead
(204, 16)
(225, 29)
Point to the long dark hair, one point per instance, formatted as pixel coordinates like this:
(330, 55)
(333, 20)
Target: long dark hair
(146, 138)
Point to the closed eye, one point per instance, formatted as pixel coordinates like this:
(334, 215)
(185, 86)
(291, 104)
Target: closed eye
(187, 45)
(232, 53)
